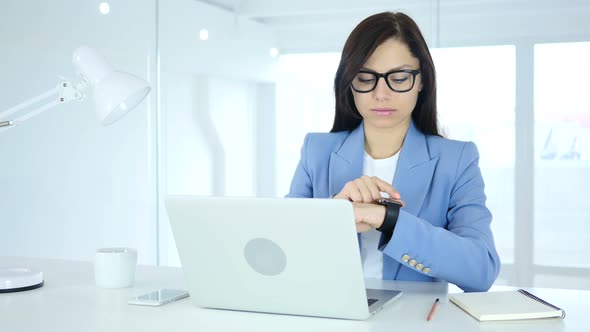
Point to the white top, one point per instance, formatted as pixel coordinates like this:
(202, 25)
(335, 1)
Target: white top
(373, 258)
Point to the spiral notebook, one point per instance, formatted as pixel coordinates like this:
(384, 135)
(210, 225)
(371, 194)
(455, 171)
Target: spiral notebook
(507, 305)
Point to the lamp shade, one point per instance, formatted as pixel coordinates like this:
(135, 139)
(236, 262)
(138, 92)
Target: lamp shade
(114, 92)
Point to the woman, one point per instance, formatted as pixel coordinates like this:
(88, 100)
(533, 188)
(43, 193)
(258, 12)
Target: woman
(385, 132)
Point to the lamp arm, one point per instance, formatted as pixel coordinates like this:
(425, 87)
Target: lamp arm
(64, 92)
(29, 102)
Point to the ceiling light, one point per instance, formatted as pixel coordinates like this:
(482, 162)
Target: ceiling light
(274, 52)
(204, 34)
(104, 8)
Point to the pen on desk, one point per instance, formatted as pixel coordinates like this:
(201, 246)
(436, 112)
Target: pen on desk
(433, 310)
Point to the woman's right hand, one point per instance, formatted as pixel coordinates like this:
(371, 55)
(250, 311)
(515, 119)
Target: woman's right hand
(366, 189)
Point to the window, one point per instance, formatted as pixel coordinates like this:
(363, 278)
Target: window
(305, 103)
(476, 97)
(562, 155)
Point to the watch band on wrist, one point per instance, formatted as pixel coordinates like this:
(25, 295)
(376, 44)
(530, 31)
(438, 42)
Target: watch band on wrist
(391, 214)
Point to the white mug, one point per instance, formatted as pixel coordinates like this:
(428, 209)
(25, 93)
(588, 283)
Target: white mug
(115, 267)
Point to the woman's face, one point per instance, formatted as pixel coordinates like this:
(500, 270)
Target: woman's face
(384, 108)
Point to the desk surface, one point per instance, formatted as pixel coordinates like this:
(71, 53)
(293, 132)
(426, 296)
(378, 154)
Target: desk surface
(70, 301)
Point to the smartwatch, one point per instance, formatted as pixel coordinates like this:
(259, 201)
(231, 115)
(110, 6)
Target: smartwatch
(392, 207)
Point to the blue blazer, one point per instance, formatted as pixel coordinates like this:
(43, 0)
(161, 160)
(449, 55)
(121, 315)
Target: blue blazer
(443, 232)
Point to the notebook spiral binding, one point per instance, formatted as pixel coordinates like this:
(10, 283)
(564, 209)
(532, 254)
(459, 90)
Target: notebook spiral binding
(533, 297)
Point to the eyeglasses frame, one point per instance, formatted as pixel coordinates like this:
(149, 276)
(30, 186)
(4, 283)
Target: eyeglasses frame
(385, 76)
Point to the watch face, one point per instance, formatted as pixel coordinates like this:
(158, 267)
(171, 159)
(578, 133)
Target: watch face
(385, 201)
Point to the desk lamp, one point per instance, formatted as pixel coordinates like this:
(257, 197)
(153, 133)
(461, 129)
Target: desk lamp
(114, 93)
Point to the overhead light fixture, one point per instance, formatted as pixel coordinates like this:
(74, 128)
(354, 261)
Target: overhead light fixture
(274, 52)
(104, 8)
(204, 34)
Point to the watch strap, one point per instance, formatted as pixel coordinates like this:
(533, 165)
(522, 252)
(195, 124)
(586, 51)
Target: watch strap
(391, 215)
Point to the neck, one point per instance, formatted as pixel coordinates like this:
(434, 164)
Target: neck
(383, 143)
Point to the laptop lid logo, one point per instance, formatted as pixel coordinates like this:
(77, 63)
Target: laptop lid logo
(265, 257)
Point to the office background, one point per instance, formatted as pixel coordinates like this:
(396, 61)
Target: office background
(227, 116)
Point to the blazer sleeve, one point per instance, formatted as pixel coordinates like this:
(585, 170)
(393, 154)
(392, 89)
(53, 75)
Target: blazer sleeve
(464, 253)
(301, 185)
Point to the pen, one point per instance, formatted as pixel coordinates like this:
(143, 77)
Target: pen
(433, 310)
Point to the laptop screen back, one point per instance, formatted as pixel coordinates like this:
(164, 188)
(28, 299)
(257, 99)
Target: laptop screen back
(280, 255)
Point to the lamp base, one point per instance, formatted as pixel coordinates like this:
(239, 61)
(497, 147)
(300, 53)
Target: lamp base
(19, 279)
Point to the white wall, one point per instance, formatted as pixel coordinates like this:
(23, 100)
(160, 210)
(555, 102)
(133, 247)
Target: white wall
(211, 97)
(67, 184)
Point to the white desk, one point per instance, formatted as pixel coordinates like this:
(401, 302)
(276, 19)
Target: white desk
(69, 301)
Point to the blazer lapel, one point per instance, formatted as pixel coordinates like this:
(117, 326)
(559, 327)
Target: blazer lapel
(414, 170)
(412, 179)
(346, 164)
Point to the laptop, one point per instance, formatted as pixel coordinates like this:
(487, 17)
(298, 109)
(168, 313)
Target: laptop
(294, 256)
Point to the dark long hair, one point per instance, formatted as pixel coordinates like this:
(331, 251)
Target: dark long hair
(359, 46)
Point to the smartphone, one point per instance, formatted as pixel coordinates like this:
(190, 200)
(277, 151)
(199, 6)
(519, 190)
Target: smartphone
(159, 297)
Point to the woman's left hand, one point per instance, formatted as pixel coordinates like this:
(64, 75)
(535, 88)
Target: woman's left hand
(368, 216)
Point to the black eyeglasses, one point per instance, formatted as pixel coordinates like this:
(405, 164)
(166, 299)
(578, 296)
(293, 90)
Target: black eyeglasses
(397, 80)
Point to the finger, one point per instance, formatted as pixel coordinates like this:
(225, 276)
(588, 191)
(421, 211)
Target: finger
(355, 194)
(345, 192)
(372, 187)
(364, 190)
(386, 188)
(340, 195)
(352, 191)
